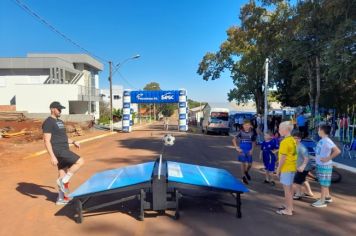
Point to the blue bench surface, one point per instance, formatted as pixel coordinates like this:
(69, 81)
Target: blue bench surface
(115, 178)
(204, 176)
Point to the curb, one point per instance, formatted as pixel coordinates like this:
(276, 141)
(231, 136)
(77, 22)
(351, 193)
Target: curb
(344, 167)
(39, 153)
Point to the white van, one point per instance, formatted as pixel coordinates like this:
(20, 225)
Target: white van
(215, 120)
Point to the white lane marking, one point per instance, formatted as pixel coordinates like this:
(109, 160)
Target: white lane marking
(113, 181)
(206, 180)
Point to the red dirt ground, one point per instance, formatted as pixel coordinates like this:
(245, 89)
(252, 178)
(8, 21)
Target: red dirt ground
(14, 148)
(28, 193)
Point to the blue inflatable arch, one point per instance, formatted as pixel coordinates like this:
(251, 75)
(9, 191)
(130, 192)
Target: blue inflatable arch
(157, 96)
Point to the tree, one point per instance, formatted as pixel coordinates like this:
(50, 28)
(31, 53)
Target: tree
(311, 47)
(168, 109)
(192, 103)
(245, 50)
(118, 113)
(152, 86)
(319, 51)
(104, 110)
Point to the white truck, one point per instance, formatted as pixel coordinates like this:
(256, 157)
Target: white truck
(215, 120)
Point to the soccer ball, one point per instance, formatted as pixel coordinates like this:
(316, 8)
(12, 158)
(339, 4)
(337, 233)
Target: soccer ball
(168, 140)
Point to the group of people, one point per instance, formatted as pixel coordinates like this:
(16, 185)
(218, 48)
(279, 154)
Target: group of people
(293, 162)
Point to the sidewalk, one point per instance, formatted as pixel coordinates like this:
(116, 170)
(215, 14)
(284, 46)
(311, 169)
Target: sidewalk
(344, 161)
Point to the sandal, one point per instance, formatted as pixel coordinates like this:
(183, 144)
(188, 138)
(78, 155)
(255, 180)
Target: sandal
(283, 212)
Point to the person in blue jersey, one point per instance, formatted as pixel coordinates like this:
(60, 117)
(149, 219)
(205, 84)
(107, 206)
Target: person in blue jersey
(301, 124)
(269, 148)
(244, 143)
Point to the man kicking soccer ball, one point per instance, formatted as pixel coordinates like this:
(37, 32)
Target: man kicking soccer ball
(57, 145)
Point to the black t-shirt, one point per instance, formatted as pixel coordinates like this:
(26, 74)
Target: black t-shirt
(59, 138)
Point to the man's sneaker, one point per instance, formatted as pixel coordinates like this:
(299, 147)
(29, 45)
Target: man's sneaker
(319, 203)
(244, 179)
(62, 201)
(328, 200)
(248, 176)
(62, 186)
(297, 197)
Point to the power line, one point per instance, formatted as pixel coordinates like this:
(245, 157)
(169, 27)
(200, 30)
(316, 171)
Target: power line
(54, 29)
(127, 82)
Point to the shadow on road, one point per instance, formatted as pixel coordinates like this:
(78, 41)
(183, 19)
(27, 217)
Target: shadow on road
(35, 190)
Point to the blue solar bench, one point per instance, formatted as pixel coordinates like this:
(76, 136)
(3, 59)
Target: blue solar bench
(156, 185)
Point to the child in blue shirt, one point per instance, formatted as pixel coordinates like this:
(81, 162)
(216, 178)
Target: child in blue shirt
(244, 143)
(269, 148)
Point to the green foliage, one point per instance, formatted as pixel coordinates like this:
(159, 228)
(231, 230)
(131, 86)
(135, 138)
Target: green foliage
(104, 120)
(152, 86)
(245, 50)
(104, 110)
(118, 113)
(311, 47)
(320, 32)
(192, 103)
(168, 109)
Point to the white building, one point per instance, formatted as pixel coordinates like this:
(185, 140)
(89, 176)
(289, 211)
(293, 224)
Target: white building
(117, 93)
(31, 83)
(196, 113)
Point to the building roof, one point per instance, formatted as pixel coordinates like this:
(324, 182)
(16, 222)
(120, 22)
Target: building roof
(249, 107)
(234, 107)
(36, 61)
(196, 109)
(72, 58)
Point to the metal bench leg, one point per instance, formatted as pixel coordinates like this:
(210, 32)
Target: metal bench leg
(142, 205)
(177, 197)
(79, 208)
(238, 205)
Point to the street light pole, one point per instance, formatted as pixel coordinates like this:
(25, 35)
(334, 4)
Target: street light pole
(111, 111)
(265, 128)
(117, 66)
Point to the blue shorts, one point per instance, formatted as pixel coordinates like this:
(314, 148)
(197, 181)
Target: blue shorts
(287, 178)
(324, 173)
(245, 157)
(269, 160)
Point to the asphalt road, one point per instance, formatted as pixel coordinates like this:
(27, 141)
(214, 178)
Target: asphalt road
(28, 194)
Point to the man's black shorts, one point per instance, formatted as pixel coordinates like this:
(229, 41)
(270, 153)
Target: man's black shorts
(66, 158)
(299, 177)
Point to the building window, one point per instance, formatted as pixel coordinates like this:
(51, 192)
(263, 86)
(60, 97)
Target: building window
(116, 97)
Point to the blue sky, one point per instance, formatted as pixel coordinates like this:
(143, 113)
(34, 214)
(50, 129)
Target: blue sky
(171, 37)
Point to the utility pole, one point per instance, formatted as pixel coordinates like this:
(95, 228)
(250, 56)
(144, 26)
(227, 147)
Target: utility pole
(265, 128)
(111, 114)
(154, 112)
